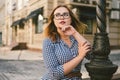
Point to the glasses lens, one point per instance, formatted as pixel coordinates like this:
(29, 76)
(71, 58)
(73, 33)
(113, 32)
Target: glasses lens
(66, 15)
(57, 16)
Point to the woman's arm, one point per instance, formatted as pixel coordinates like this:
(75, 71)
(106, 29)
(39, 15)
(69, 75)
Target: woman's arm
(69, 30)
(83, 49)
(59, 70)
(80, 39)
(52, 65)
(69, 66)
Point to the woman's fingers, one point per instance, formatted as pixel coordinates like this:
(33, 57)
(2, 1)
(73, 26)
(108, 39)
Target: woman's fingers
(86, 46)
(85, 43)
(82, 44)
(68, 30)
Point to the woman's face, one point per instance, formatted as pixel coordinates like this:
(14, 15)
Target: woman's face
(61, 18)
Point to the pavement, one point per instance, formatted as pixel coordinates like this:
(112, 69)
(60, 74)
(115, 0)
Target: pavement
(35, 60)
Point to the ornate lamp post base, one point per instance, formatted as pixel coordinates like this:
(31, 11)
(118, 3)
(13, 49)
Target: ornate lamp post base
(101, 73)
(100, 67)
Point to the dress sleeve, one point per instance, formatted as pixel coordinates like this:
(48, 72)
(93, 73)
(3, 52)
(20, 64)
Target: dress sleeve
(55, 69)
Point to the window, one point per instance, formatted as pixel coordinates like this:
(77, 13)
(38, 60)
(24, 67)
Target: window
(20, 4)
(115, 13)
(115, 4)
(25, 2)
(37, 19)
(87, 16)
(0, 38)
(39, 27)
(9, 7)
(83, 1)
(14, 6)
(89, 23)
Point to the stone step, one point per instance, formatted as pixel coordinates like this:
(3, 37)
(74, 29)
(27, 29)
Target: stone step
(20, 46)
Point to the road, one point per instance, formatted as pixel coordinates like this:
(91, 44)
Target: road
(30, 66)
(21, 70)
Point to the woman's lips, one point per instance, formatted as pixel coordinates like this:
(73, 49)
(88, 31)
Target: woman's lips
(62, 22)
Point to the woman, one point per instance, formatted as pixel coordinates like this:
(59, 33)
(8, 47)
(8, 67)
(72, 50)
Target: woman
(64, 48)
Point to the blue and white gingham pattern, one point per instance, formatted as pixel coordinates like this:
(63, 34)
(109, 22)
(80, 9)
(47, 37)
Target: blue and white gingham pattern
(57, 53)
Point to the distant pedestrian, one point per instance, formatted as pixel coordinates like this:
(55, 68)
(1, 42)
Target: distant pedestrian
(64, 47)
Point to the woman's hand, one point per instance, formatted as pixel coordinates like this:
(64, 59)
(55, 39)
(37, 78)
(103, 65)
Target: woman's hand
(83, 49)
(68, 30)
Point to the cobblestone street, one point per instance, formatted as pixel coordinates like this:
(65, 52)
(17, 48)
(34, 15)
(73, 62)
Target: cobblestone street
(68, 30)
(28, 65)
(21, 70)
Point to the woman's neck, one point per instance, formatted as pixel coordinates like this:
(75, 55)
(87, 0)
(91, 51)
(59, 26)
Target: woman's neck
(65, 37)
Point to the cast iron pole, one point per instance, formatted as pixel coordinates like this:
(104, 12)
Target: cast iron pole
(100, 67)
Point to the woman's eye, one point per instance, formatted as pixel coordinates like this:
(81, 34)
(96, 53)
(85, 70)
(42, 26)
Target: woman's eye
(66, 14)
(57, 15)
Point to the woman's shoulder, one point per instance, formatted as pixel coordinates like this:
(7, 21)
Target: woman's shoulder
(47, 41)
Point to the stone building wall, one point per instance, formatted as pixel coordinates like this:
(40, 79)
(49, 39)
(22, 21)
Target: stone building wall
(34, 40)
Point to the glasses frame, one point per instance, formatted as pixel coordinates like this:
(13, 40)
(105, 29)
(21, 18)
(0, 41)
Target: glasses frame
(64, 15)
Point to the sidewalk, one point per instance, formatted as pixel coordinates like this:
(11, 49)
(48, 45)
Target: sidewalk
(6, 54)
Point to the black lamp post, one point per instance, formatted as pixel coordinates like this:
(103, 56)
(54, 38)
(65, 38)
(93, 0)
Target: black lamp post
(100, 67)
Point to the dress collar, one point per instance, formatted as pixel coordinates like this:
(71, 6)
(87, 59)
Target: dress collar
(72, 39)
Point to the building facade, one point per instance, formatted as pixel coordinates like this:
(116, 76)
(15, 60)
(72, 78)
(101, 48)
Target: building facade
(114, 24)
(2, 18)
(26, 19)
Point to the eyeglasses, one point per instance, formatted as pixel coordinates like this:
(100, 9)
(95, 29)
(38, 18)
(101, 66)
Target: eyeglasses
(59, 16)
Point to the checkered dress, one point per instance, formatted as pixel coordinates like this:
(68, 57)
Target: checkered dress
(57, 53)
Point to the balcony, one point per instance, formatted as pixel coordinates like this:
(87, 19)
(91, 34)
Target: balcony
(90, 3)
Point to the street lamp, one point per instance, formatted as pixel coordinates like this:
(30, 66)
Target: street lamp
(100, 67)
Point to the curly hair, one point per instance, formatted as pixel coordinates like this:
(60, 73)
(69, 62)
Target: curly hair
(51, 30)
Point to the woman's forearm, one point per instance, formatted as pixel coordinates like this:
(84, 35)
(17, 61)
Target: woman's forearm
(69, 66)
(80, 39)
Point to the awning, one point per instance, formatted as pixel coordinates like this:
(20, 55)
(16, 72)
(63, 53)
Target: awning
(18, 22)
(34, 13)
(88, 12)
